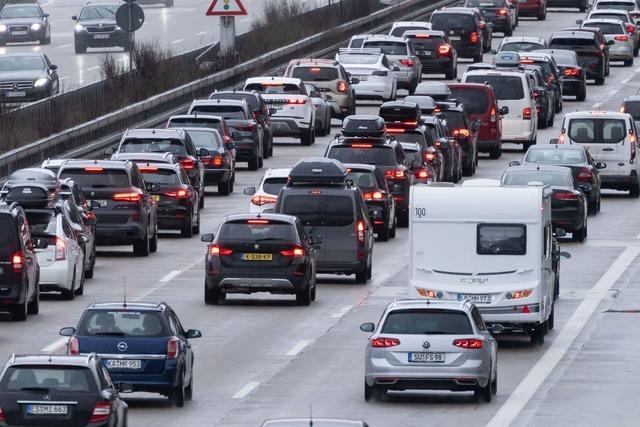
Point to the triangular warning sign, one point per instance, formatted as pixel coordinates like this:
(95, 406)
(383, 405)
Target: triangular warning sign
(226, 8)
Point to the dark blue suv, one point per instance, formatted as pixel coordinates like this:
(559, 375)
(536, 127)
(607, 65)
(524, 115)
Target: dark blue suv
(142, 344)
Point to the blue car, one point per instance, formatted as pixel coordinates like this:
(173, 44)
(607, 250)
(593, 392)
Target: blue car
(141, 344)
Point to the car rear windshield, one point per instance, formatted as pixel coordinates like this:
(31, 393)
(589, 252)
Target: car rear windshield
(475, 101)
(379, 156)
(619, 16)
(597, 131)
(445, 21)
(427, 322)
(162, 177)
(315, 74)
(570, 43)
(606, 28)
(274, 185)
(387, 47)
(274, 88)
(358, 59)
(8, 240)
(633, 108)
(412, 156)
(42, 223)
(320, 209)
(615, 5)
(242, 231)
(252, 100)
(562, 179)
(104, 178)
(520, 47)
(123, 323)
(552, 156)
(365, 180)
(400, 30)
(485, 3)
(193, 122)
(564, 60)
(504, 87)
(425, 43)
(502, 239)
(48, 378)
(229, 112)
(454, 119)
(205, 139)
(153, 145)
(410, 137)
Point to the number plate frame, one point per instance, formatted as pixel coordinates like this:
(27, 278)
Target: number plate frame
(44, 409)
(424, 357)
(257, 257)
(127, 364)
(476, 298)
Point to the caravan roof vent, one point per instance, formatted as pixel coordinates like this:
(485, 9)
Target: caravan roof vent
(318, 171)
(482, 182)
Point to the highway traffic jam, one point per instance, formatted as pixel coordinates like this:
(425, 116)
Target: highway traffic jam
(426, 185)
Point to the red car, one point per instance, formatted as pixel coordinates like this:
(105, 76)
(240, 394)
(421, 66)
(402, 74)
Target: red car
(534, 8)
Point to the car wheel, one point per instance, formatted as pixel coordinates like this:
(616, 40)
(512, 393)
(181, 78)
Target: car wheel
(599, 204)
(628, 62)
(314, 289)
(537, 335)
(373, 392)
(494, 384)
(213, 296)
(303, 297)
(196, 226)
(496, 152)
(80, 290)
(19, 311)
(253, 164)
(392, 233)
(593, 207)
(580, 235)
(553, 117)
(141, 247)
(361, 277)
(260, 162)
(89, 273)
(187, 228)
(509, 32)
(636, 50)
(327, 130)
(552, 319)
(153, 242)
(542, 122)
(484, 392)
(543, 15)
(34, 305)
(270, 146)
(69, 294)
(634, 191)
(383, 235)
(582, 95)
(224, 188)
(188, 392)
(479, 57)
(306, 138)
(177, 396)
(600, 80)
(403, 219)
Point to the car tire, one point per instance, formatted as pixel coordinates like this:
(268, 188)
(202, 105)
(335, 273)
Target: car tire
(542, 15)
(599, 80)
(509, 32)
(224, 188)
(361, 277)
(552, 319)
(634, 191)
(19, 311)
(392, 232)
(479, 57)
(253, 164)
(196, 226)
(80, 290)
(593, 207)
(213, 296)
(537, 335)
(628, 62)
(306, 138)
(80, 48)
(186, 232)
(484, 393)
(303, 297)
(89, 273)
(553, 117)
(153, 242)
(542, 123)
(141, 247)
(373, 392)
(496, 152)
(636, 51)
(69, 294)
(188, 392)
(582, 95)
(579, 235)
(33, 307)
(177, 396)
(383, 235)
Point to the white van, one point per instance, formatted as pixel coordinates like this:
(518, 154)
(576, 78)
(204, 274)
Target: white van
(512, 90)
(611, 138)
(503, 246)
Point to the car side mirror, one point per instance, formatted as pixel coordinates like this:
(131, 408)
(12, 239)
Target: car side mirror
(124, 388)
(193, 333)
(559, 232)
(40, 244)
(83, 238)
(109, 151)
(249, 191)
(53, 67)
(69, 331)
(207, 238)
(354, 80)
(152, 186)
(272, 111)
(74, 17)
(565, 255)
(368, 327)
(504, 111)
(203, 152)
(514, 163)
(611, 42)
(579, 21)
(110, 394)
(553, 141)
(601, 165)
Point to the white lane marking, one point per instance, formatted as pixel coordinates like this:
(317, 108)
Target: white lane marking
(625, 81)
(170, 276)
(63, 46)
(298, 347)
(201, 33)
(93, 68)
(596, 105)
(344, 310)
(246, 390)
(536, 376)
(637, 70)
(638, 236)
(613, 92)
(53, 347)
(177, 41)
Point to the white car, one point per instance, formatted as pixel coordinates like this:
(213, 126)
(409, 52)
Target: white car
(295, 114)
(264, 197)
(398, 29)
(621, 48)
(373, 72)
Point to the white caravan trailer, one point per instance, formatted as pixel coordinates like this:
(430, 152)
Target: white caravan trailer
(494, 247)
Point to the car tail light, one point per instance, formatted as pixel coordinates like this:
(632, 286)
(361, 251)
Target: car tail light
(536, 94)
(373, 195)
(2, 417)
(263, 199)
(423, 36)
(132, 196)
(468, 343)
(503, 12)
(101, 412)
(493, 115)
(61, 252)
(380, 73)
(217, 250)
(423, 174)
(561, 138)
(361, 145)
(572, 72)
(188, 164)
(396, 130)
(384, 342)
(395, 174)
(407, 62)
(295, 252)
(342, 86)
(148, 169)
(526, 113)
(473, 37)
(178, 194)
(461, 133)
(622, 109)
(584, 175)
(429, 157)
(258, 221)
(524, 293)
(246, 128)
(173, 347)
(73, 346)
(296, 101)
(17, 262)
(360, 230)
(631, 29)
(444, 49)
(215, 161)
(622, 38)
(93, 169)
(565, 196)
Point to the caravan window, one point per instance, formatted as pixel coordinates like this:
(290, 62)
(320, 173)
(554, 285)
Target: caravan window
(502, 239)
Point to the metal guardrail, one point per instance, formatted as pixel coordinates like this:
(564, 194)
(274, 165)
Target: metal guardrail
(93, 137)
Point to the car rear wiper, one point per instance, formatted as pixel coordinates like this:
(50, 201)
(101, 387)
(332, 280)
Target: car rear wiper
(112, 334)
(435, 333)
(38, 389)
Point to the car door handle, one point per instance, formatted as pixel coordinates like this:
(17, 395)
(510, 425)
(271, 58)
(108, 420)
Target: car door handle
(607, 149)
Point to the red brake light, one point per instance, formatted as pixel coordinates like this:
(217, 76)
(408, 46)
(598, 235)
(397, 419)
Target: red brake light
(385, 342)
(407, 62)
(217, 161)
(263, 199)
(503, 12)
(622, 109)
(361, 145)
(360, 230)
(188, 164)
(17, 262)
(461, 132)
(526, 113)
(294, 252)
(444, 49)
(468, 343)
(173, 347)
(101, 412)
(217, 250)
(395, 174)
(297, 101)
(493, 115)
(423, 36)
(258, 221)
(180, 194)
(315, 69)
(132, 196)
(429, 157)
(631, 29)
(148, 169)
(90, 215)
(73, 346)
(622, 38)
(342, 86)
(424, 173)
(526, 61)
(572, 72)
(565, 196)
(396, 130)
(373, 195)
(93, 169)
(584, 175)
(473, 37)
(61, 252)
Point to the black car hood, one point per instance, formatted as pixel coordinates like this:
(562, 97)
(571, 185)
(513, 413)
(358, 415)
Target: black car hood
(23, 75)
(21, 21)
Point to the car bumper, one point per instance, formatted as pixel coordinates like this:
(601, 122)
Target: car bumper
(617, 182)
(162, 382)
(573, 86)
(275, 283)
(289, 126)
(215, 176)
(119, 235)
(372, 90)
(334, 267)
(467, 50)
(31, 36)
(56, 277)
(501, 23)
(528, 9)
(518, 138)
(436, 65)
(173, 218)
(406, 78)
(620, 52)
(246, 150)
(20, 96)
(486, 146)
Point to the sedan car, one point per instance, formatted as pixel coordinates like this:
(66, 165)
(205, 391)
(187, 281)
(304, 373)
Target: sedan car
(96, 28)
(26, 77)
(443, 345)
(24, 22)
(142, 344)
(573, 78)
(373, 72)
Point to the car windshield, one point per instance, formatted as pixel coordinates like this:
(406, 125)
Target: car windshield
(245, 231)
(504, 87)
(427, 322)
(315, 74)
(228, 112)
(48, 378)
(274, 185)
(194, 122)
(205, 139)
(363, 179)
(606, 28)
(502, 239)
(153, 145)
(21, 63)
(274, 88)
(99, 12)
(520, 47)
(370, 155)
(446, 21)
(123, 323)
(615, 5)
(455, 119)
(475, 101)
(387, 47)
(597, 131)
(320, 209)
(22, 11)
(559, 179)
(572, 43)
(553, 156)
(42, 223)
(162, 177)
(98, 178)
(358, 59)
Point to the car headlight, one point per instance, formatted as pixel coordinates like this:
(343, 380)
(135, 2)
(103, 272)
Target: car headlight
(3, 28)
(79, 27)
(36, 27)
(118, 28)
(41, 82)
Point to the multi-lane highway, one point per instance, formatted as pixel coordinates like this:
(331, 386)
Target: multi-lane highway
(264, 357)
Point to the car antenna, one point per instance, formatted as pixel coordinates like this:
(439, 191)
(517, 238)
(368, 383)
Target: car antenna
(124, 293)
(310, 415)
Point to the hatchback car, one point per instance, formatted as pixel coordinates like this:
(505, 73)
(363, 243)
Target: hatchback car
(54, 391)
(217, 157)
(591, 55)
(416, 156)
(522, 44)
(96, 28)
(264, 197)
(27, 77)
(622, 15)
(572, 77)
(24, 22)
(620, 43)
(373, 71)
(435, 51)
(142, 344)
(323, 109)
(436, 345)
(463, 29)
(535, 8)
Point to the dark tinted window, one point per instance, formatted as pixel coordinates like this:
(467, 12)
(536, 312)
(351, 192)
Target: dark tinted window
(129, 323)
(203, 139)
(427, 322)
(163, 177)
(410, 137)
(633, 108)
(41, 223)
(474, 101)
(229, 112)
(315, 74)
(445, 21)
(502, 239)
(615, 5)
(274, 185)
(546, 177)
(193, 122)
(455, 119)
(504, 87)
(565, 60)
(363, 179)
(429, 43)
(380, 156)
(152, 145)
(387, 47)
(8, 238)
(570, 43)
(243, 231)
(520, 47)
(607, 28)
(412, 156)
(48, 378)
(485, 3)
(594, 131)
(275, 88)
(98, 179)
(554, 156)
(320, 210)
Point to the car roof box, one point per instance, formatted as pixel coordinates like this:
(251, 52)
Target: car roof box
(400, 111)
(363, 126)
(426, 103)
(29, 195)
(318, 171)
(507, 59)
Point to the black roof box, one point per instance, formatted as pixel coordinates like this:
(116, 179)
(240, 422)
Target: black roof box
(363, 126)
(29, 195)
(400, 111)
(318, 171)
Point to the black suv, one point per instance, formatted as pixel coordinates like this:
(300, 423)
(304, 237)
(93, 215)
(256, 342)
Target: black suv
(379, 150)
(19, 271)
(464, 30)
(218, 158)
(60, 391)
(592, 56)
(464, 131)
(126, 213)
(96, 27)
(444, 142)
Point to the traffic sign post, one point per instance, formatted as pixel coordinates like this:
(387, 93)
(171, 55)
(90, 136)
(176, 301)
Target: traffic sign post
(227, 10)
(130, 18)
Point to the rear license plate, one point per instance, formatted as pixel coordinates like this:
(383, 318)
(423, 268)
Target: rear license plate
(155, 197)
(257, 257)
(362, 78)
(18, 33)
(47, 409)
(276, 106)
(426, 357)
(101, 36)
(455, 38)
(425, 52)
(476, 298)
(101, 203)
(123, 364)
(15, 94)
